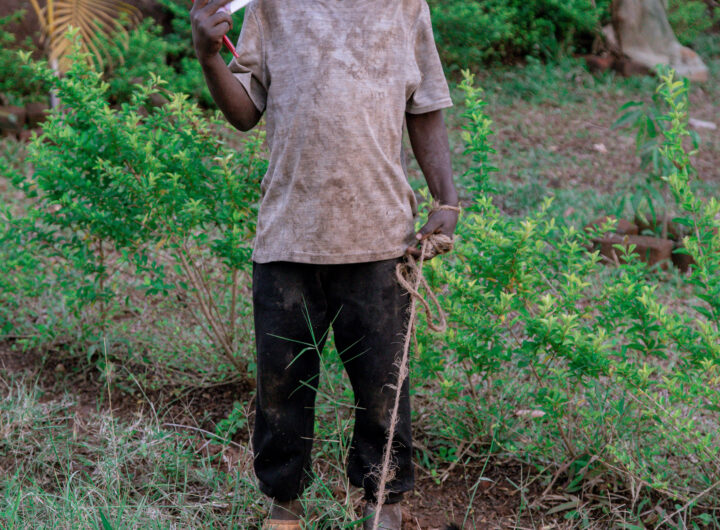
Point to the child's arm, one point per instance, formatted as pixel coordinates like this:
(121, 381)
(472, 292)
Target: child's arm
(208, 28)
(429, 140)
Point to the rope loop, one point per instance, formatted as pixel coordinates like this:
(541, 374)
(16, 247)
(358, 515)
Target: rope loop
(410, 277)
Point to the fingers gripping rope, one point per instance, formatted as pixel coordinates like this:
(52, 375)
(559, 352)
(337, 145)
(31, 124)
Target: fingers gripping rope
(411, 278)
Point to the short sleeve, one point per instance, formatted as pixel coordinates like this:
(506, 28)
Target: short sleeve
(249, 68)
(432, 93)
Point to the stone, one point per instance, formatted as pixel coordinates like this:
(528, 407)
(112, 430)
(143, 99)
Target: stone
(681, 260)
(622, 226)
(12, 119)
(702, 124)
(646, 39)
(626, 67)
(25, 135)
(157, 100)
(597, 64)
(651, 250)
(36, 114)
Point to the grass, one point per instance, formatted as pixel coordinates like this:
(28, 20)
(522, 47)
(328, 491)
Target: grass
(154, 459)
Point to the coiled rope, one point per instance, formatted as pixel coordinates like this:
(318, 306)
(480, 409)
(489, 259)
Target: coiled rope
(410, 277)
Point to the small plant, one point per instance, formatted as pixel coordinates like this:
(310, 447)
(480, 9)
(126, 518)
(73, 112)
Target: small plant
(652, 125)
(560, 361)
(156, 193)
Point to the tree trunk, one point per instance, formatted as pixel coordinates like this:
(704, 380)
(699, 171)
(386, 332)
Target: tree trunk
(645, 37)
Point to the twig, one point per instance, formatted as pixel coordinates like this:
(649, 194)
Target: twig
(233, 303)
(203, 431)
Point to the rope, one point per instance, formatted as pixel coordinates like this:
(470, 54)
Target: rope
(411, 278)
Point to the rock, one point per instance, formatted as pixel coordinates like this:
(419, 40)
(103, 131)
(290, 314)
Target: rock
(651, 250)
(645, 37)
(12, 119)
(25, 135)
(36, 114)
(597, 64)
(622, 227)
(629, 68)
(157, 100)
(702, 124)
(681, 260)
(675, 231)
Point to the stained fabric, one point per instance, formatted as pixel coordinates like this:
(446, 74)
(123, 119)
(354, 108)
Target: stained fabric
(296, 308)
(335, 79)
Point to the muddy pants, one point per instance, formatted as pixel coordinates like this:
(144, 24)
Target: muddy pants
(367, 311)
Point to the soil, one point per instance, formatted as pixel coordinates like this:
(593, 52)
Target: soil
(483, 497)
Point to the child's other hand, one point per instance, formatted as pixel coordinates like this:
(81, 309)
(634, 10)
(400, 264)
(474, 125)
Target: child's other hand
(439, 222)
(209, 25)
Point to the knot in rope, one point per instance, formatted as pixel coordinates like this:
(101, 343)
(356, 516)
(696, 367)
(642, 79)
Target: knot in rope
(410, 277)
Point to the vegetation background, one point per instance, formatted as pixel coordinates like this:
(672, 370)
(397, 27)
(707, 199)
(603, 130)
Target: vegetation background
(567, 392)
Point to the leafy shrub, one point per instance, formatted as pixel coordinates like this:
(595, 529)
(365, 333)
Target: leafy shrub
(146, 55)
(15, 87)
(579, 368)
(472, 32)
(116, 189)
(690, 18)
(651, 202)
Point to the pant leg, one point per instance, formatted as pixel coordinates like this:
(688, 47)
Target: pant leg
(285, 295)
(369, 333)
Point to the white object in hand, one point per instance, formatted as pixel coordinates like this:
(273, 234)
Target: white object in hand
(235, 5)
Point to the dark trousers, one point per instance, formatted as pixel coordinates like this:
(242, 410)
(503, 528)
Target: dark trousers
(367, 310)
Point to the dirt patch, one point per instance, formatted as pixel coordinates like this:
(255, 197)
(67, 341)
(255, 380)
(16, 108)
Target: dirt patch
(200, 408)
(480, 498)
(473, 497)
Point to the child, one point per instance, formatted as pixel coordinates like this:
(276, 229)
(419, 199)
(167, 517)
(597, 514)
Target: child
(336, 80)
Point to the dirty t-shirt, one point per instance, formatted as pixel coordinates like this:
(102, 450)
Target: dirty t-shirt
(335, 79)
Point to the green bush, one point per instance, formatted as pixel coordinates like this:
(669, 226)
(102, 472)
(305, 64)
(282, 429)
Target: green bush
(15, 87)
(471, 32)
(116, 189)
(146, 55)
(691, 18)
(592, 372)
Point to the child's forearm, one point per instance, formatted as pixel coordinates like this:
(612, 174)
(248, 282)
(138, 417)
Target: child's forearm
(229, 94)
(429, 140)
(210, 24)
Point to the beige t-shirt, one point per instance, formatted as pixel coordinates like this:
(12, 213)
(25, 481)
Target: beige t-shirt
(335, 79)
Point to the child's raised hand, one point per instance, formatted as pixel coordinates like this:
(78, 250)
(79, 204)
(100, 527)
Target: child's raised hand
(209, 26)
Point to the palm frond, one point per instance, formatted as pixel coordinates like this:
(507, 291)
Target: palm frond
(95, 20)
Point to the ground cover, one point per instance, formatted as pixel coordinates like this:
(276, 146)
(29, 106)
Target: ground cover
(149, 427)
